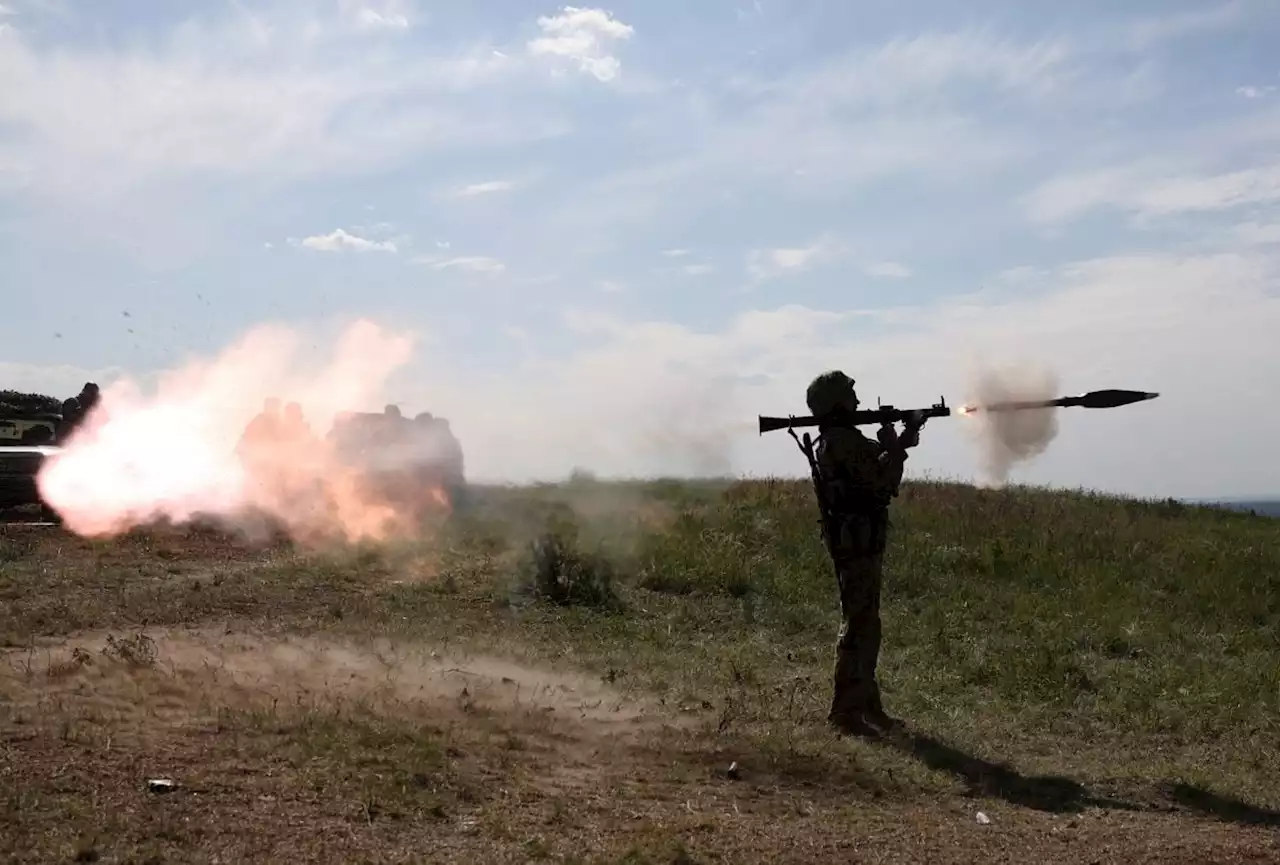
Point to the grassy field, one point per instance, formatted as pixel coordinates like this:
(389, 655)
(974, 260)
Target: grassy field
(1098, 679)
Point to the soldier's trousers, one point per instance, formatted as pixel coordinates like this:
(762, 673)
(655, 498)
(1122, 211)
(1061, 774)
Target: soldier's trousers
(858, 647)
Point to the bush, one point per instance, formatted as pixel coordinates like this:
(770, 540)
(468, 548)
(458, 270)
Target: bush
(555, 569)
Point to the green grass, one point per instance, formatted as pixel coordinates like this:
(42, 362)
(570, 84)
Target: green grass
(1056, 651)
(1125, 637)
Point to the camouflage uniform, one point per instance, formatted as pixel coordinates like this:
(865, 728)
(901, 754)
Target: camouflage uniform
(859, 479)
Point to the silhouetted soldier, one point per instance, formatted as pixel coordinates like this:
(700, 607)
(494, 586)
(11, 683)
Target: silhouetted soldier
(76, 410)
(71, 413)
(859, 478)
(88, 398)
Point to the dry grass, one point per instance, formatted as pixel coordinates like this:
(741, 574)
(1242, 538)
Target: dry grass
(1099, 677)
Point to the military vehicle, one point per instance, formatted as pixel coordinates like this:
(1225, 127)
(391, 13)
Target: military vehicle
(31, 428)
(406, 461)
(19, 466)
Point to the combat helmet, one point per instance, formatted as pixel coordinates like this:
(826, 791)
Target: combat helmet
(827, 391)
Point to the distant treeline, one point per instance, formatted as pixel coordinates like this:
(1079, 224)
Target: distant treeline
(18, 405)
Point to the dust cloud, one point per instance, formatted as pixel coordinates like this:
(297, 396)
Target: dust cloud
(179, 454)
(1006, 438)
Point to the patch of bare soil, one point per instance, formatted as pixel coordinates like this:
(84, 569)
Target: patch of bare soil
(202, 670)
(315, 749)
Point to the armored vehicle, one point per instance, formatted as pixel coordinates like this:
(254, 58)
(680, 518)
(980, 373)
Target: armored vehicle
(19, 465)
(410, 462)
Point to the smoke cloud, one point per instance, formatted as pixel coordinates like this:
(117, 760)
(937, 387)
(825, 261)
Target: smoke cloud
(177, 454)
(1010, 437)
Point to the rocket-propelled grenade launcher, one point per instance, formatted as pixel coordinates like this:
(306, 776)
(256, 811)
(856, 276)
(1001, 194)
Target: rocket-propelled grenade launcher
(1111, 398)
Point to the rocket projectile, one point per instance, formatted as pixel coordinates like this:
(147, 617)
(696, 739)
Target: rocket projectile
(1111, 398)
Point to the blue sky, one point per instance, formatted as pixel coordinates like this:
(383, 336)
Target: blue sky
(623, 232)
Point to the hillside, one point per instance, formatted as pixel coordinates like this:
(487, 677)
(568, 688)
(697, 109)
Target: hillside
(1099, 678)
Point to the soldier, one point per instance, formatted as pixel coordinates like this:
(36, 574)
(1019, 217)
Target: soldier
(71, 414)
(856, 480)
(263, 429)
(88, 397)
(294, 428)
(76, 410)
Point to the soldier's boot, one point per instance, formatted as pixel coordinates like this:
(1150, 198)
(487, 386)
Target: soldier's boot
(849, 699)
(875, 713)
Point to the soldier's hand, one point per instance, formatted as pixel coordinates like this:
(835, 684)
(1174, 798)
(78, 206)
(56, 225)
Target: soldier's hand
(887, 435)
(910, 436)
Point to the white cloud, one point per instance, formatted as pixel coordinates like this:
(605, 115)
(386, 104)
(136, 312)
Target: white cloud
(888, 270)
(1213, 192)
(247, 96)
(675, 253)
(1143, 192)
(697, 269)
(583, 36)
(772, 263)
(1193, 22)
(1022, 274)
(387, 15)
(339, 240)
(1067, 197)
(472, 263)
(918, 69)
(1257, 234)
(906, 109)
(487, 187)
(1252, 92)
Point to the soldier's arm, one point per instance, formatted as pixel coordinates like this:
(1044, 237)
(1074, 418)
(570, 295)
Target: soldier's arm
(867, 465)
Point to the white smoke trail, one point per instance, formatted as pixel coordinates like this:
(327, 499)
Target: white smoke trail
(1010, 437)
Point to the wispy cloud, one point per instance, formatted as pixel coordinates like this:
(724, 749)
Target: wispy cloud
(339, 240)
(888, 270)
(470, 263)
(385, 15)
(583, 36)
(771, 263)
(1250, 91)
(1145, 193)
(1210, 17)
(266, 95)
(487, 187)
(1257, 234)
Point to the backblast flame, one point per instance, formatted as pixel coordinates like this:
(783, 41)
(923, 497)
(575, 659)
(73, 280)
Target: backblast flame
(179, 455)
